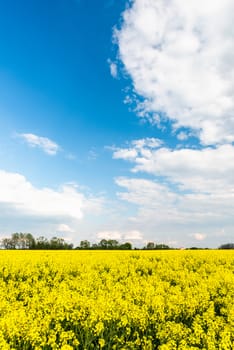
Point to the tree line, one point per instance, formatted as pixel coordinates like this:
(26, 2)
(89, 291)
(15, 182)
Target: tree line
(27, 241)
(109, 244)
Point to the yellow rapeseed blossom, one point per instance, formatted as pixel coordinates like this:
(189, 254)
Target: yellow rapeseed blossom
(116, 300)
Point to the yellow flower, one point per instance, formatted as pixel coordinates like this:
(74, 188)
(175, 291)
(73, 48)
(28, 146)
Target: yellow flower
(101, 343)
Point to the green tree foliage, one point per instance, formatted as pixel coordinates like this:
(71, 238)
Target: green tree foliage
(85, 244)
(150, 245)
(227, 246)
(154, 246)
(108, 244)
(27, 241)
(125, 246)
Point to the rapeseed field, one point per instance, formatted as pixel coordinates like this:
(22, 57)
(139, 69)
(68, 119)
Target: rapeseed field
(116, 300)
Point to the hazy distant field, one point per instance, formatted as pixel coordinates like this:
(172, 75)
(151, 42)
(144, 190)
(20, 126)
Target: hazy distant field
(117, 300)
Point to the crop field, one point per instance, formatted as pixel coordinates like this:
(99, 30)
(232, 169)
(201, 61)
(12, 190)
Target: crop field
(117, 300)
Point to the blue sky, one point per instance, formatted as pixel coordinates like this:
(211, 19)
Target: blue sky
(116, 120)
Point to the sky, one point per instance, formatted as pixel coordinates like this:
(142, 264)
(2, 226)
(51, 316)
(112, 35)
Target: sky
(117, 120)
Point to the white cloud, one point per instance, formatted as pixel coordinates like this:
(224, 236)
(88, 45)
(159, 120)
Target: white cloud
(182, 136)
(137, 147)
(199, 236)
(131, 235)
(162, 209)
(113, 68)
(60, 209)
(148, 142)
(47, 145)
(126, 154)
(109, 235)
(180, 56)
(64, 228)
(206, 170)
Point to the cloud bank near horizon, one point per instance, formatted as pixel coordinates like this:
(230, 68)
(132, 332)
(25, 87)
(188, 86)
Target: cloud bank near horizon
(54, 210)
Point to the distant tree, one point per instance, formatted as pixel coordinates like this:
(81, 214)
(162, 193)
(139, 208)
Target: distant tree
(94, 246)
(161, 247)
(108, 244)
(56, 243)
(112, 244)
(19, 241)
(103, 244)
(150, 245)
(126, 246)
(85, 244)
(42, 243)
(7, 243)
(59, 243)
(15, 238)
(30, 241)
(227, 246)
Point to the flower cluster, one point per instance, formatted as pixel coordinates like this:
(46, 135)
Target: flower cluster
(116, 300)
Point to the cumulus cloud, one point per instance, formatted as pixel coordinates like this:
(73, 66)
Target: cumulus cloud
(182, 136)
(64, 228)
(47, 145)
(113, 68)
(179, 55)
(63, 207)
(131, 235)
(199, 170)
(148, 142)
(109, 235)
(137, 147)
(161, 208)
(189, 189)
(124, 153)
(199, 236)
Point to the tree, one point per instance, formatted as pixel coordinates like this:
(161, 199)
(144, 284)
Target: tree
(126, 246)
(227, 246)
(150, 245)
(30, 241)
(161, 246)
(19, 241)
(7, 243)
(42, 243)
(85, 244)
(103, 244)
(112, 244)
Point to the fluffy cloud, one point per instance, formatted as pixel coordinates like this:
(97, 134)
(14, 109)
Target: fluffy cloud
(62, 208)
(113, 68)
(64, 228)
(164, 214)
(207, 170)
(132, 235)
(180, 56)
(190, 189)
(48, 146)
(199, 236)
(137, 147)
(148, 142)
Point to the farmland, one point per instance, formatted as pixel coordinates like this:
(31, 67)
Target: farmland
(117, 300)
